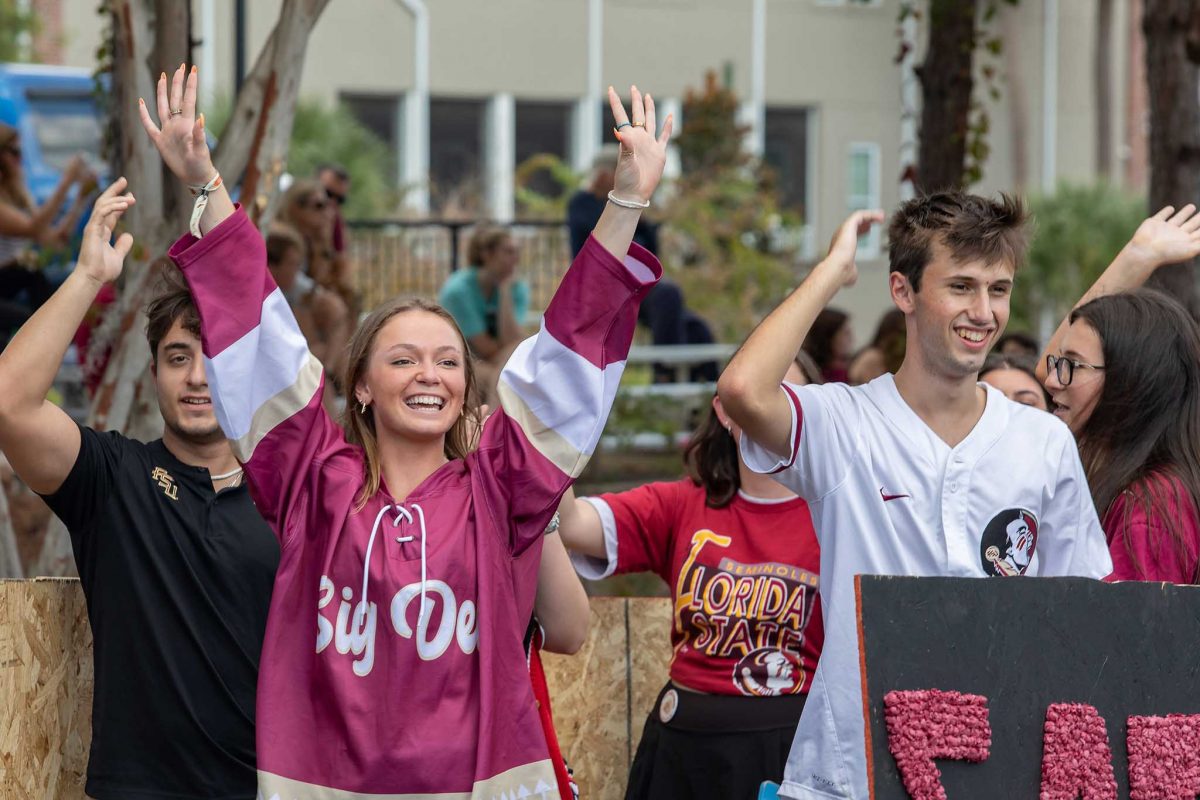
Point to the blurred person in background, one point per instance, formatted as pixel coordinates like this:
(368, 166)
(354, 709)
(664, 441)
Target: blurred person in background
(664, 311)
(489, 303)
(1020, 344)
(322, 315)
(1016, 378)
(25, 225)
(307, 208)
(336, 181)
(830, 342)
(885, 353)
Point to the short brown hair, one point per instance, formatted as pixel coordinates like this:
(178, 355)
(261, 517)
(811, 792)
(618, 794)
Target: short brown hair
(969, 226)
(172, 301)
(484, 240)
(281, 238)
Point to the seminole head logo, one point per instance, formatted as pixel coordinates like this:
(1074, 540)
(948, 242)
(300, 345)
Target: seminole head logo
(768, 672)
(1008, 542)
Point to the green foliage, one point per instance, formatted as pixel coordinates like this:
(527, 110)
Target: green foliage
(321, 134)
(725, 229)
(1078, 230)
(15, 25)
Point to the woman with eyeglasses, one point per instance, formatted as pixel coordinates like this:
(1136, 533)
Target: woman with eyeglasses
(1123, 371)
(24, 224)
(308, 208)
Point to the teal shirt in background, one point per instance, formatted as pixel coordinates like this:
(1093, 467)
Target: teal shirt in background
(474, 313)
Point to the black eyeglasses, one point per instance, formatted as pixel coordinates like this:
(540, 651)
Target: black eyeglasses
(1065, 368)
(340, 199)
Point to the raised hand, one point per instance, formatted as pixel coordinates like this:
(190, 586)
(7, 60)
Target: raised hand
(844, 247)
(1168, 237)
(180, 141)
(642, 158)
(99, 258)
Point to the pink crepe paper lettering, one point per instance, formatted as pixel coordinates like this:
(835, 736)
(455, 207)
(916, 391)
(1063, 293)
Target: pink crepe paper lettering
(928, 724)
(1164, 757)
(1076, 757)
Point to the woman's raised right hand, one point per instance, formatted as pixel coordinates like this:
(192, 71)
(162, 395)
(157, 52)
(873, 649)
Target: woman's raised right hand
(180, 141)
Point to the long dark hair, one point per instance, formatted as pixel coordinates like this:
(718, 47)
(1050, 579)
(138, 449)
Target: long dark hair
(890, 339)
(819, 341)
(1146, 422)
(711, 456)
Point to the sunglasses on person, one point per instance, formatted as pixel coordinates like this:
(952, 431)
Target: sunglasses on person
(340, 199)
(1065, 368)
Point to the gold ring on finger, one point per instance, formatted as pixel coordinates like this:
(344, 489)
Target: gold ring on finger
(175, 112)
(638, 124)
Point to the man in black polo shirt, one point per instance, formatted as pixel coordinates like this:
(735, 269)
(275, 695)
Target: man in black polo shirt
(176, 564)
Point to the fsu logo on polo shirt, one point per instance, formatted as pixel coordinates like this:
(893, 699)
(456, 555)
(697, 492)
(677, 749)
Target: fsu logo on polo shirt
(1008, 542)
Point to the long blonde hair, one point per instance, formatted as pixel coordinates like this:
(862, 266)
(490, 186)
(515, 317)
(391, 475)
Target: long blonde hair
(463, 435)
(12, 187)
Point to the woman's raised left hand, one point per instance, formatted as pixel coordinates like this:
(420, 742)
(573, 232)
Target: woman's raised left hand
(643, 155)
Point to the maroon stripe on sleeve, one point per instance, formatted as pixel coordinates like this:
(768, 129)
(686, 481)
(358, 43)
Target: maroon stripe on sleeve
(795, 401)
(580, 316)
(228, 276)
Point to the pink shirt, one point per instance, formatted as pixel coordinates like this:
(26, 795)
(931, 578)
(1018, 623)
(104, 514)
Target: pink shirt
(1141, 546)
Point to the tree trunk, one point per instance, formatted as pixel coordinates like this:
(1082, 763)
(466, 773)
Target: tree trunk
(947, 81)
(1103, 78)
(150, 37)
(1172, 31)
(255, 144)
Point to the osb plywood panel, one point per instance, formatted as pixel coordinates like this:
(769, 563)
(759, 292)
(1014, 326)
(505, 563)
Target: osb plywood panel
(589, 693)
(600, 695)
(650, 620)
(45, 689)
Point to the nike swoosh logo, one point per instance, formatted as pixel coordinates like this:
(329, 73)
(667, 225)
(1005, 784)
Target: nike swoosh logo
(886, 497)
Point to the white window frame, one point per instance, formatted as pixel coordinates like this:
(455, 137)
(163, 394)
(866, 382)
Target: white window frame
(869, 245)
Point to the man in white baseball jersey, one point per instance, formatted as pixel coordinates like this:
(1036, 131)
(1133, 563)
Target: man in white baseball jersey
(921, 473)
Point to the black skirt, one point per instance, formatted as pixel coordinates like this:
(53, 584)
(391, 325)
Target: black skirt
(712, 747)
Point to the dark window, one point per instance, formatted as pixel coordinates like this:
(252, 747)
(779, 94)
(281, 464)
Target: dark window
(786, 152)
(455, 154)
(377, 113)
(542, 127)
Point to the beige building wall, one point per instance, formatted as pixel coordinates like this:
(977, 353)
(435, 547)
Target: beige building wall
(835, 58)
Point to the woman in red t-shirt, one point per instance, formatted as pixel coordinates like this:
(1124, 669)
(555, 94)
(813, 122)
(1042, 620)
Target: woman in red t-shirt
(739, 553)
(1123, 372)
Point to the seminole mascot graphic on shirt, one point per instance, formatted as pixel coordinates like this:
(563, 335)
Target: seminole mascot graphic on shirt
(1008, 542)
(751, 614)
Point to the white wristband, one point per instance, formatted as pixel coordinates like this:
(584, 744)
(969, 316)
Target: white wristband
(201, 193)
(617, 201)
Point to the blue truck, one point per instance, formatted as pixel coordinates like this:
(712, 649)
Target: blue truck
(55, 111)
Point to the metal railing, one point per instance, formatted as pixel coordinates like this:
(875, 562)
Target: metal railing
(406, 257)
